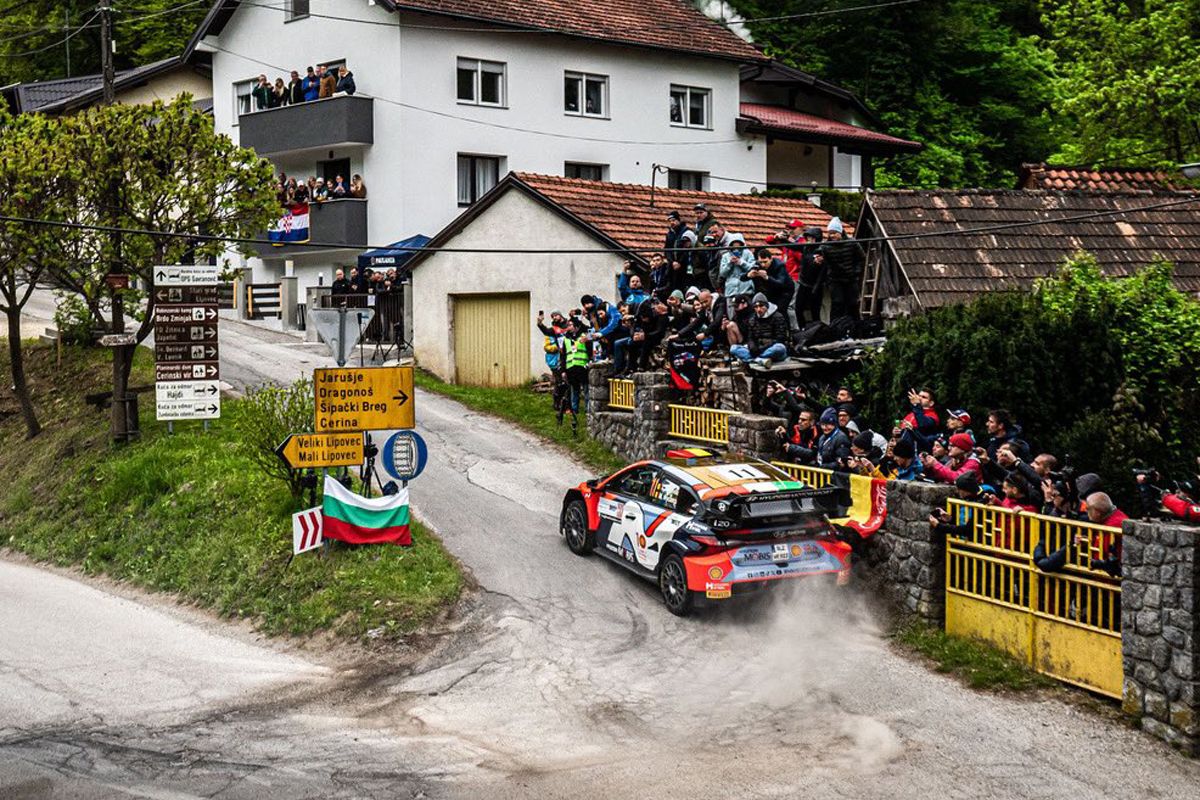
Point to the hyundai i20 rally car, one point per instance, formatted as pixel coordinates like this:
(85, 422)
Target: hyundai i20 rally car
(703, 528)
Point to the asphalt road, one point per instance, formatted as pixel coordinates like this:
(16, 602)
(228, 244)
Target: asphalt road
(564, 678)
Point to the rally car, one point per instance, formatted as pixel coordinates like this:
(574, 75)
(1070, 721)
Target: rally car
(705, 528)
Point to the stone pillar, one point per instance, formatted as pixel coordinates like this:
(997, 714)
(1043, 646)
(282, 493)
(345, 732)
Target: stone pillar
(1160, 630)
(754, 435)
(913, 557)
(651, 412)
(597, 395)
(289, 298)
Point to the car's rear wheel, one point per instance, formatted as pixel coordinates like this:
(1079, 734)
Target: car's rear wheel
(575, 530)
(672, 582)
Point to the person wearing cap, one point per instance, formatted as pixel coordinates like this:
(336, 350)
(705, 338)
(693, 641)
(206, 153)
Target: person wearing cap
(766, 336)
(901, 463)
(958, 420)
(770, 277)
(962, 460)
(736, 263)
(962, 523)
(842, 260)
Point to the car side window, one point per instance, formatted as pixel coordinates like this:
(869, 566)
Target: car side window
(672, 495)
(637, 482)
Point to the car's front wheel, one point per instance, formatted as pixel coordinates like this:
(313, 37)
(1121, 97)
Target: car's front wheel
(575, 529)
(672, 582)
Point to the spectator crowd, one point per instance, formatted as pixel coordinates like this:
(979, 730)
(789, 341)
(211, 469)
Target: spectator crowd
(316, 84)
(290, 191)
(365, 282)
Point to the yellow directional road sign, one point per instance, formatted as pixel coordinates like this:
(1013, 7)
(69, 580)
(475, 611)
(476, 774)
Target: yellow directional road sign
(304, 450)
(364, 399)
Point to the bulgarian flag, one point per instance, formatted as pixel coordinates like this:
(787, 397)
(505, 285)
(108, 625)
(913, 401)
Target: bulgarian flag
(364, 520)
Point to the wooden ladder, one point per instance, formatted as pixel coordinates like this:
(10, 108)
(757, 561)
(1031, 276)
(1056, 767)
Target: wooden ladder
(870, 287)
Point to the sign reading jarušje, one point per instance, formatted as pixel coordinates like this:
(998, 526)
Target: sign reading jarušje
(363, 399)
(364, 520)
(187, 372)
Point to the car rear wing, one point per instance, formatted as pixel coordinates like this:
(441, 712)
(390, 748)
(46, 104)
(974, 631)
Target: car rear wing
(770, 508)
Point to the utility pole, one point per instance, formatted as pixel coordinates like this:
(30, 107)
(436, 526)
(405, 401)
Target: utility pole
(124, 418)
(67, 34)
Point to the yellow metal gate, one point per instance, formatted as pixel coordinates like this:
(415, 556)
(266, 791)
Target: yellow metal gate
(491, 339)
(1066, 624)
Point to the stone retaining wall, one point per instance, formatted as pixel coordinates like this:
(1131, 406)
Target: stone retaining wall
(907, 558)
(633, 434)
(1160, 630)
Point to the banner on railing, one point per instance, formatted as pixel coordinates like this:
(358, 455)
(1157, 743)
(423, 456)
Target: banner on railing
(292, 226)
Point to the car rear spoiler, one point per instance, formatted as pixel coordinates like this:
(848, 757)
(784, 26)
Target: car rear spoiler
(766, 507)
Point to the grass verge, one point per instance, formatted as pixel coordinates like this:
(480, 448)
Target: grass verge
(189, 513)
(529, 410)
(980, 665)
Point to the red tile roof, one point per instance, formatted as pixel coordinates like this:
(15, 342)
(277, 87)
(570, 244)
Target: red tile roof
(1086, 179)
(622, 211)
(787, 122)
(663, 24)
(956, 268)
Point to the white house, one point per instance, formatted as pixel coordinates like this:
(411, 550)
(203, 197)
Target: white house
(452, 95)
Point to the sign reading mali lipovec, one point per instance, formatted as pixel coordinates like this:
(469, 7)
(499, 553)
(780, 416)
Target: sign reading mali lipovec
(313, 450)
(363, 399)
(186, 370)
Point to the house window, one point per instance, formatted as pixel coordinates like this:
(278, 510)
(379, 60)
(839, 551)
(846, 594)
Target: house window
(585, 95)
(480, 83)
(296, 9)
(243, 101)
(588, 172)
(690, 106)
(476, 176)
(686, 179)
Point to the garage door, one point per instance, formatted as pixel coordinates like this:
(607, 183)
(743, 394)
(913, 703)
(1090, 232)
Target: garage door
(491, 339)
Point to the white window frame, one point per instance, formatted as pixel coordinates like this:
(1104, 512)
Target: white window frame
(688, 93)
(601, 168)
(477, 66)
(291, 14)
(248, 84)
(583, 78)
(474, 159)
(675, 178)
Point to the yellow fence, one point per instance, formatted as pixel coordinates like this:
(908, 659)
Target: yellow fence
(702, 424)
(815, 477)
(620, 393)
(1066, 623)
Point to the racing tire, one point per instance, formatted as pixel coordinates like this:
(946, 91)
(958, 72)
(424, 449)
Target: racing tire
(672, 582)
(580, 539)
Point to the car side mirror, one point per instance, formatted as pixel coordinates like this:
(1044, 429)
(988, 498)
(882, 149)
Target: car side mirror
(592, 483)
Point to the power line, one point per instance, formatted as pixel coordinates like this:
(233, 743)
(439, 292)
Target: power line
(88, 25)
(976, 231)
(55, 45)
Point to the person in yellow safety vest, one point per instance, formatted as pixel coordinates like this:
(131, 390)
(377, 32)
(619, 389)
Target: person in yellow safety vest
(575, 352)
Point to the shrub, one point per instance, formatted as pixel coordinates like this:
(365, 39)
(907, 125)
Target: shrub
(268, 415)
(73, 319)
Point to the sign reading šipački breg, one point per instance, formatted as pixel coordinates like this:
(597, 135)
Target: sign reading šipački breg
(352, 399)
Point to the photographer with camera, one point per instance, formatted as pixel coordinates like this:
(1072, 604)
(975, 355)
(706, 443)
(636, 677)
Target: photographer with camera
(770, 277)
(1182, 501)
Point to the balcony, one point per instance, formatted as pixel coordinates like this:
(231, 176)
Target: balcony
(332, 222)
(320, 124)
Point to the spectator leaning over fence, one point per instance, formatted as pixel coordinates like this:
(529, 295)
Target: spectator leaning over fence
(833, 446)
(358, 282)
(770, 276)
(1102, 511)
(962, 522)
(901, 463)
(733, 272)
(1184, 502)
(1061, 502)
(1006, 457)
(766, 339)
(843, 262)
(961, 461)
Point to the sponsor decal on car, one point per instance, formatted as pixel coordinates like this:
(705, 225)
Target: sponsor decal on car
(717, 591)
(610, 509)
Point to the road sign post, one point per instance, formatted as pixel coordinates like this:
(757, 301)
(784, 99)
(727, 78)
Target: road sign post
(187, 369)
(350, 399)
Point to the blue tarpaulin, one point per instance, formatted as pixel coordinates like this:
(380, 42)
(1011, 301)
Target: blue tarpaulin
(394, 255)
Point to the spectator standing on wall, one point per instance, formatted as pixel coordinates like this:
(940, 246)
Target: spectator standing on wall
(843, 261)
(340, 284)
(736, 263)
(810, 285)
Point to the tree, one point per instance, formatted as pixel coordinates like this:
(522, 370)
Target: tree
(969, 80)
(35, 181)
(1127, 85)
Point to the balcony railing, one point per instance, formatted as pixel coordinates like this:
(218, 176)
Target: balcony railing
(320, 124)
(332, 222)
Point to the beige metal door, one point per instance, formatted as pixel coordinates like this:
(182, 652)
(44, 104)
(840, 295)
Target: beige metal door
(491, 339)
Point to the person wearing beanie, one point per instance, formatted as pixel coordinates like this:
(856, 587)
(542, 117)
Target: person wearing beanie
(847, 423)
(834, 445)
(902, 463)
(843, 260)
(939, 448)
(962, 461)
(866, 454)
(960, 523)
(766, 336)
(675, 228)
